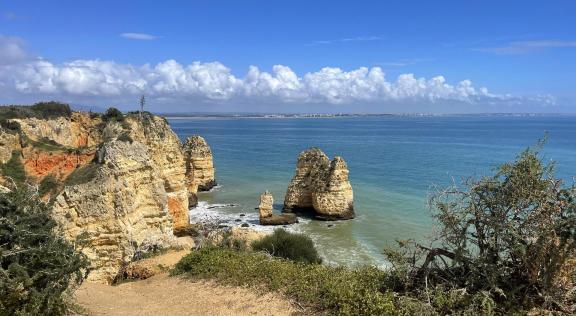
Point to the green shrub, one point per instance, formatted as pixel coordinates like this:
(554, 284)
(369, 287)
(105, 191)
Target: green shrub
(81, 175)
(113, 114)
(14, 168)
(10, 126)
(37, 265)
(337, 290)
(48, 185)
(506, 240)
(44, 143)
(51, 109)
(125, 137)
(41, 110)
(287, 245)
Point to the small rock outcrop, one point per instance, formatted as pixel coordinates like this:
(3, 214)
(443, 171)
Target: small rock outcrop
(320, 186)
(266, 215)
(199, 166)
(265, 208)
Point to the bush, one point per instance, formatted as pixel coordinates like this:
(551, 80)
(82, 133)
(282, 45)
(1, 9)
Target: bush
(37, 266)
(113, 114)
(44, 143)
(51, 109)
(510, 237)
(125, 137)
(14, 168)
(81, 175)
(41, 110)
(336, 290)
(48, 185)
(281, 243)
(10, 126)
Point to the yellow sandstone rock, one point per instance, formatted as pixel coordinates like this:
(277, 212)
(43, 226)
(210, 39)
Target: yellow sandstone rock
(131, 194)
(320, 186)
(199, 164)
(265, 207)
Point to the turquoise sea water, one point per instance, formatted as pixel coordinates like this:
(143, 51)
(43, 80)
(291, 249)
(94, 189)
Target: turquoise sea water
(394, 162)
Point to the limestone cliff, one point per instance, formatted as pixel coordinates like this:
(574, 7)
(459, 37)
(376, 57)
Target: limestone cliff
(119, 212)
(320, 186)
(166, 152)
(121, 182)
(78, 130)
(199, 164)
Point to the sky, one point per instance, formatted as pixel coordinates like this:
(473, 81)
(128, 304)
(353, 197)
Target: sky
(292, 56)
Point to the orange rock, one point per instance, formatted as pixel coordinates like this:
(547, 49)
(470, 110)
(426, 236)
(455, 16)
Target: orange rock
(39, 164)
(179, 214)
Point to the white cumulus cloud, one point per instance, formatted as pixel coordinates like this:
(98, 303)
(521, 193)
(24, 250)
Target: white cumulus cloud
(213, 82)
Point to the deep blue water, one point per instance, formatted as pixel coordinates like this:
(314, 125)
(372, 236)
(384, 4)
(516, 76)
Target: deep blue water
(394, 162)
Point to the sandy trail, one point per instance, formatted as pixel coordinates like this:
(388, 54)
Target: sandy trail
(165, 295)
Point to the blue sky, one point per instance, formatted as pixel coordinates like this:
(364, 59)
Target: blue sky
(523, 52)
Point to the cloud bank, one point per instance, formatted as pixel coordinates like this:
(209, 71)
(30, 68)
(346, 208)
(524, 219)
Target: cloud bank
(213, 83)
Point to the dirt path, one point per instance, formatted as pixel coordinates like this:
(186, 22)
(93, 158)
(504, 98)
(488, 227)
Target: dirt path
(165, 295)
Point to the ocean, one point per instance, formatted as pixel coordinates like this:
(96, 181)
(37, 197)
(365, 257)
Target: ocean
(395, 163)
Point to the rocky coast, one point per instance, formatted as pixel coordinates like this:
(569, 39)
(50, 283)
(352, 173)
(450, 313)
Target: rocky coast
(123, 185)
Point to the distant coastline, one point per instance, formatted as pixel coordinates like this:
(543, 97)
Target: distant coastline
(176, 116)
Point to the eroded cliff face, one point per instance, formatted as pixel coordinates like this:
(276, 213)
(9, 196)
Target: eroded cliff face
(320, 186)
(166, 152)
(8, 143)
(123, 184)
(79, 130)
(121, 211)
(199, 164)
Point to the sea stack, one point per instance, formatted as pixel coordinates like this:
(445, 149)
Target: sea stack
(265, 207)
(199, 166)
(320, 187)
(267, 217)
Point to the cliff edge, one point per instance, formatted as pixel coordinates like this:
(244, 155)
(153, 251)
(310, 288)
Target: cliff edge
(119, 183)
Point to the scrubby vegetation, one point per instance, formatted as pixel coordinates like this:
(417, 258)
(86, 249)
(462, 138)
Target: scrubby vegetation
(339, 290)
(125, 137)
(44, 143)
(113, 114)
(48, 185)
(14, 169)
(81, 175)
(9, 126)
(296, 247)
(41, 110)
(510, 236)
(38, 267)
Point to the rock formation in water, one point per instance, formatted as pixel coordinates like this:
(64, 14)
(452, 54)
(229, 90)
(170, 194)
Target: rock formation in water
(266, 215)
(265, 208)
(199, 166)
(121, 184)
(320, 186)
